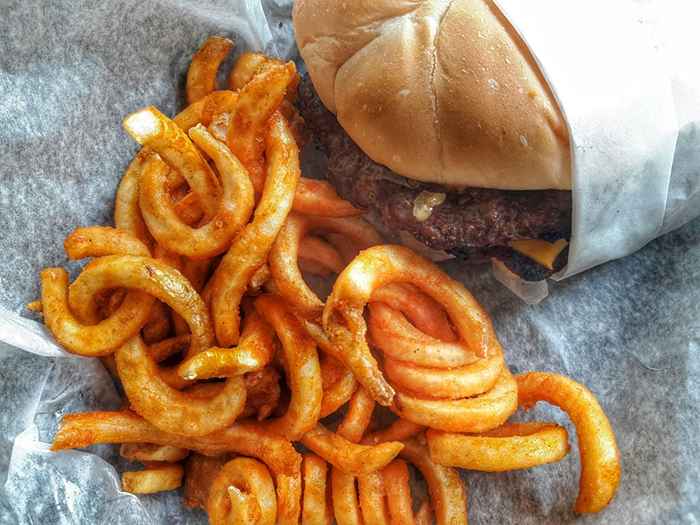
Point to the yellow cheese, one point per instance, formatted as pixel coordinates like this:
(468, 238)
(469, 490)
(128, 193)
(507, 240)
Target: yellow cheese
(542, 252)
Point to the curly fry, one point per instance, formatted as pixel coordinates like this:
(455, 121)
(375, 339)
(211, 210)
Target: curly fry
(285, 253)
(149, 127)
(381, 265)
(474, 414)
(157, 477)
(513, 446)
(156, 279)
(235, 205)
(242, 492)
(253, 353)
(96, 340)
(302, 368)
(249, 251)
(600, 457)
(169, 409)
(127, 213)
(347, 456)
(201, 76)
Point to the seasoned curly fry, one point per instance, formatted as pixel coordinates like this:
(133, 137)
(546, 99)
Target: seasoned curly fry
(201, 76)
(424, 312)
(242, 492)
(347, 456)
(253, 353)
(302, 369)
(259, 99)
(127, 213)
(155, 279)
(391, 332)
(437, 383)
(96, 340)
(510, 447)
(97, 241)
(169, 409)
(474, 414)
(381, 265)
(157, 477)
(249, 251)
(149, 452)
(600, 457)
(235, 206)
(315, 506)
(285, 253)
(149, 127)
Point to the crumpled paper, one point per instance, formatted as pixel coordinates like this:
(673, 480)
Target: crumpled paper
(71, 70)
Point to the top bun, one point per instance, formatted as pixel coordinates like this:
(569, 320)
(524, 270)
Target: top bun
(441, 91)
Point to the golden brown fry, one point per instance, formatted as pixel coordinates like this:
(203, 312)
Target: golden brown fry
(97, 241)
(127, 213)
(242, 492)
(398, 339)
(96, 340)
(285, 253)
(346, 506)
(600, 457)
(156, 279)
(257, 102)
(399, 430)
(317, 254)
(448, 494)
(424, 312)
(234, 209)
(373, 498)
(254, 352)
(157, 477)
(358, 416)
(338, 385)
(169, 409)
(474, 414)
(82, 430)
(301, 366)
(398, 493)
(247, 66)
(149, 127)
(347, 456)
(204, 110)
(316, 508)
(380, 265)
(510, 447)
(201, 76)
(439, 383)
(149, 452)
(318, 197)
(249, 251)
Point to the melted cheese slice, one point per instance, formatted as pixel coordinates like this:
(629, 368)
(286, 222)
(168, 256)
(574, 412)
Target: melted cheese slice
(542, 252)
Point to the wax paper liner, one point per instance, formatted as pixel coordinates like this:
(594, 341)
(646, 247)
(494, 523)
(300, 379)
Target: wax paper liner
(71, 70)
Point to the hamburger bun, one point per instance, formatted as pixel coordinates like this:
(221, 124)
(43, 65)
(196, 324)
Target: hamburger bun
(439, 91)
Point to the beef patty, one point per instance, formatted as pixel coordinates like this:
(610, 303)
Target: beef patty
(474, 224)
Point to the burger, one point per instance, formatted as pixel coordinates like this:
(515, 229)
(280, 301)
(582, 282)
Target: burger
(437, 121)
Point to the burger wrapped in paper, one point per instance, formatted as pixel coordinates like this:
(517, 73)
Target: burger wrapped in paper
(457, 131)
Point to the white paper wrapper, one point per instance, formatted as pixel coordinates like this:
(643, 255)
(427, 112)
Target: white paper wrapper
(622, 72)
(69, 72)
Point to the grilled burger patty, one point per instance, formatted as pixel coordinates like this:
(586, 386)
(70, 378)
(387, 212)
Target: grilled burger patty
(472, 223)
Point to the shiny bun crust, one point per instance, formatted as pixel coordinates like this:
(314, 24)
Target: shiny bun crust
(440, 91)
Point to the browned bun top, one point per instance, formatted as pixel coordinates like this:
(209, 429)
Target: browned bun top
(440, 91)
